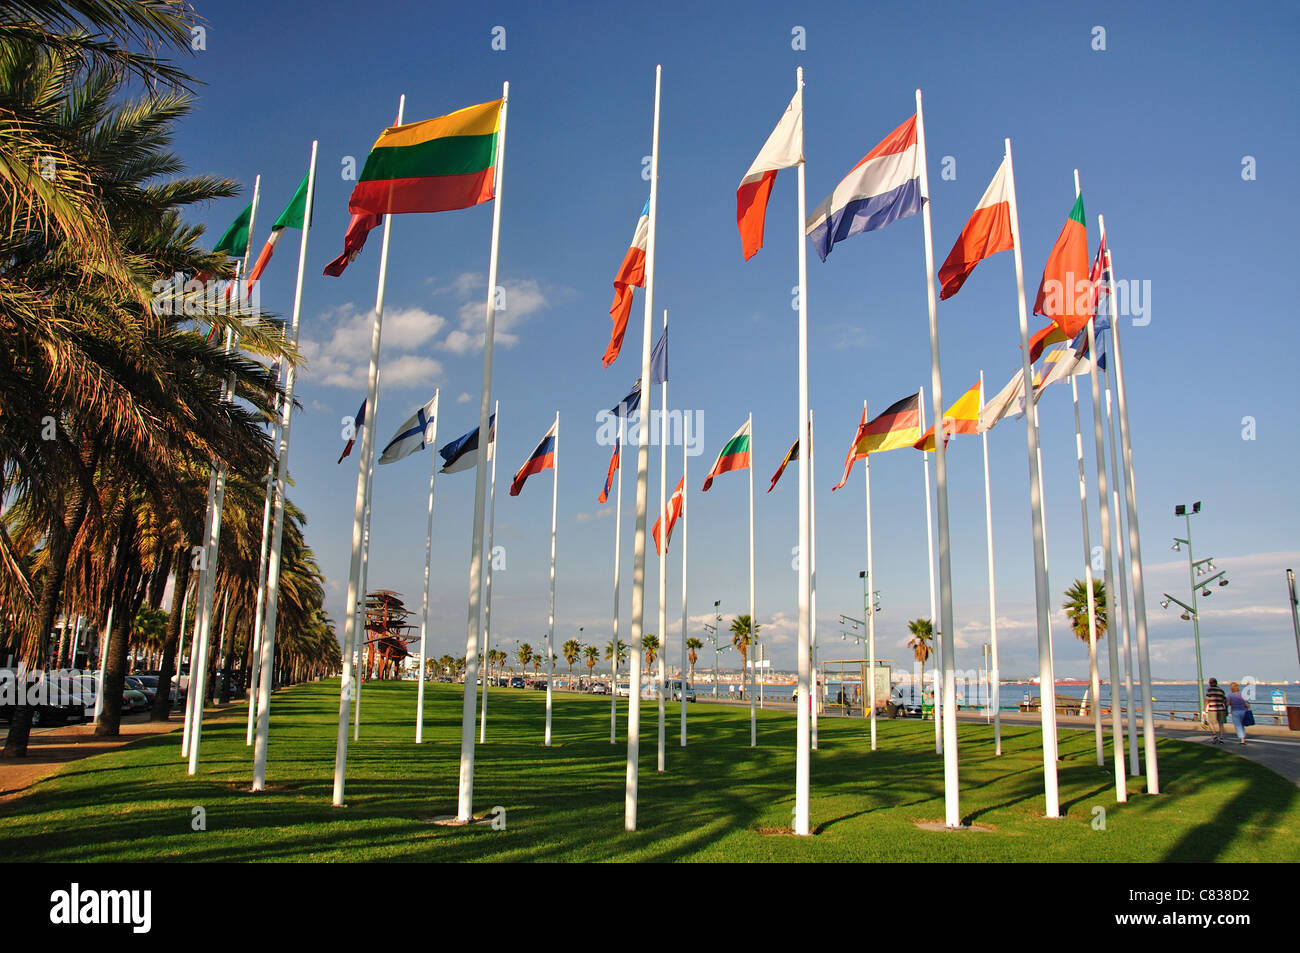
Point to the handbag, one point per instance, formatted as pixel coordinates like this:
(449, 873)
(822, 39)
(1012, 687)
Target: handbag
(1248, 718)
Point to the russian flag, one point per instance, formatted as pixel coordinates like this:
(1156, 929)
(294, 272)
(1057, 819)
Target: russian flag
(543, 458)
(884, 187)
(987, 232)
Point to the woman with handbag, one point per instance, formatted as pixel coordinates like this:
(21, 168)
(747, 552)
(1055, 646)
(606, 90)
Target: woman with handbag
(1241, 713)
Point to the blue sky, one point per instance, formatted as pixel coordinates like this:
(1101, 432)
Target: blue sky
(1158, 123)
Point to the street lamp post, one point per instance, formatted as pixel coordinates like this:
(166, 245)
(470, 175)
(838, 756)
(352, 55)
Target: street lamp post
(1195, 567)
(1295, 617)
(717, 621)
(866, 672)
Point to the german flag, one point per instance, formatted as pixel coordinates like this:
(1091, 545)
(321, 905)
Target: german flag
(899, 425)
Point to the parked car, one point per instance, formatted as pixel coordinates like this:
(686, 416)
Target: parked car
(598, 688)
(516, 682)
(539, 684)
(146, 684)
(60, 701)
(673, 688)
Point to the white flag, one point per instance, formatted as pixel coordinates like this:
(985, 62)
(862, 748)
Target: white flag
(1010, 400)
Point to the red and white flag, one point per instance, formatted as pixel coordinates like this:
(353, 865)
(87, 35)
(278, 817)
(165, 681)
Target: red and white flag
(673, 512)
(986, 233)
(783, 150)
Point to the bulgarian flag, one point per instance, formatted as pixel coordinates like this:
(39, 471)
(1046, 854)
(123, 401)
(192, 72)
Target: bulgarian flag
(674, 511)
(291, 217)
(431, 166)
(962, 417)
(734, 455)
(783, 150)
(986, 233)
(1065, 293)
(630, 274)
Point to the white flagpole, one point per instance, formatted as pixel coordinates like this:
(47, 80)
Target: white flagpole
(260, 600)
(347, 683)
(753, 622)
(642, 488)
(474, 620)
(431, 439)
(194, 657)
(684, 667)
(1122, 562)
(1135, 545)
(225, 618)
(550, 632)
(1042, 597)
(934, 610)
(487, 607)
(361, 660)
(266, 663)
(103, 654)
(1108, 581)
(995, 683)
(812, 580)
(868, 694)
(1093, 674)
(803, 738)
(618, 549)
(663, 555)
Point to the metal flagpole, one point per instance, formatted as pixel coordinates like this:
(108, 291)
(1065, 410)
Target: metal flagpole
(487, 602)
(474, 619)
(642, 479)
(753, 622)
(618, 549)
(812, 580)
(1093, 674)
(431, 439)
(1042, 597)
(1135, 545)
(870, 607)
(550, 633)
(1108, 581)
(682, 672)
(103, 653)
(1122, 563)
(194, 656)
(663, 553)
(260, 600)
(995, 683)
(266, 663)
(929, 542)
(803, 739)
(361, 653)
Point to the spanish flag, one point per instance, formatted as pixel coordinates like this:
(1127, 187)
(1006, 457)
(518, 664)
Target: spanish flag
(899, 425)
(962, 417)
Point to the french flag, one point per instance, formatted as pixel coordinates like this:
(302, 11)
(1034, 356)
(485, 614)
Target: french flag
(884, 187)
(543, 458)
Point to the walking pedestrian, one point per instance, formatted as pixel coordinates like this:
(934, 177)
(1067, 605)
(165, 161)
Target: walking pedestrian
(1239, 708)
(1216, 709)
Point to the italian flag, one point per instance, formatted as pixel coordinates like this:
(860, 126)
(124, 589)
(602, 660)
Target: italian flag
(1065, 293)
(291, 217)
(783, 149)
(734, 456)
(986, 233)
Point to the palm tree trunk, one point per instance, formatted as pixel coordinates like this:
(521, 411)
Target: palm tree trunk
(162, 701)
(121, 590)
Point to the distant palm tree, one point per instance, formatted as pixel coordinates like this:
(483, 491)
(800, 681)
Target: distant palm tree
(571, 650)
(650, 645)
(742, 636)
(622, 651)
(693, 644)
(525, 655)
(1076, 607)
(591, 655)
(921, 644)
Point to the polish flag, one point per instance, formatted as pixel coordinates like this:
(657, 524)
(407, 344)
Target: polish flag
(673, 513)
(987, 233)
(783, 150)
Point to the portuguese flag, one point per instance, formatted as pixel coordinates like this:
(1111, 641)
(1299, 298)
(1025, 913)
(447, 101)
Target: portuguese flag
(1065, 293)
(431, 166)
(734, 456)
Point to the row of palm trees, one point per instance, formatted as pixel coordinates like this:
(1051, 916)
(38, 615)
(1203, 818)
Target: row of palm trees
(112, 414)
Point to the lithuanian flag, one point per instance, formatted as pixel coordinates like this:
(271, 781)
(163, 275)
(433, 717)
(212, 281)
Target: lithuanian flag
(431, 166)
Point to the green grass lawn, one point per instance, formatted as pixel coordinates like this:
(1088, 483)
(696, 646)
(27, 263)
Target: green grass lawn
(719, 800)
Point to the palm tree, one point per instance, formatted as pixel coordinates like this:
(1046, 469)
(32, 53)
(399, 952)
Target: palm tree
(571, 650)
(622, 652)
(650, 645)
(921, 644)
(742, 636)
(693, 645)
(591, 655)
(525, 655)
(1076, 607)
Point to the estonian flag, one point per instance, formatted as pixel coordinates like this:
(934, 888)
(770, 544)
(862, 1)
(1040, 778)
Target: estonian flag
(462, 453)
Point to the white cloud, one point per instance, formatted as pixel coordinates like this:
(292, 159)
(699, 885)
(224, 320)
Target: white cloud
(520, 300)
(595, 515)
(337, 347)
(464, 398)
